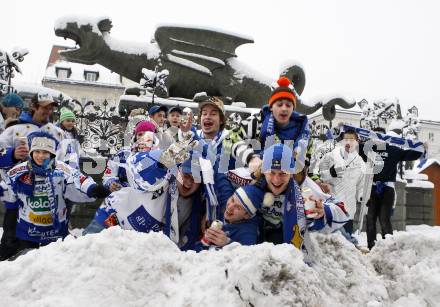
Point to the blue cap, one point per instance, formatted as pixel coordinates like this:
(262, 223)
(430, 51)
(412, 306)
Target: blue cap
(13, 100)
(251, 198)
(278, 157)
(156, 108)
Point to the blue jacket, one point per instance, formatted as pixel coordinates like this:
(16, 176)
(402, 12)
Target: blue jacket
(296, 130)
(245, 233)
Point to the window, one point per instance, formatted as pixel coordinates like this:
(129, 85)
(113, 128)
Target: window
(91, 76)
(431, 136)
(62, 73)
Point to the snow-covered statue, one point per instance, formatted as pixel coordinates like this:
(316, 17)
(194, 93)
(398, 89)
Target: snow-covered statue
(411, 128)
(198, 60)
(381, 114)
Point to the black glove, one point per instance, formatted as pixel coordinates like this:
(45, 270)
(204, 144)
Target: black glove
(99, 191)
(337, 171)
(333, 172)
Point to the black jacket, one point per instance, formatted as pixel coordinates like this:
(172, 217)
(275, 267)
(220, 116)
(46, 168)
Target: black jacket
(391, 156)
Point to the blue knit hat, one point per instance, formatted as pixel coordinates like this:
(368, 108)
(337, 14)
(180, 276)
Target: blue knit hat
(251, 198)
(13, 100)
(278, 157)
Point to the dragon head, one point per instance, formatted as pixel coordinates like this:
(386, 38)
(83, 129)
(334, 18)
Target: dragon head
(88, 35)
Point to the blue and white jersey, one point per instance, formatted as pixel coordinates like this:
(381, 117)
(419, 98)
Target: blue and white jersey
(116, 168)
(134, 209)
(41, 200)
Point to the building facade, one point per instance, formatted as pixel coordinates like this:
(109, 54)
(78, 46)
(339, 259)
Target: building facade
(82, 82)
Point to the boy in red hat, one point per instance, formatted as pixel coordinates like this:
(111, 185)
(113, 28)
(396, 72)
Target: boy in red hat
(280, 123)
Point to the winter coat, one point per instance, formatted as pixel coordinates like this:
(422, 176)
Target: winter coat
(226, 151)
(151, 202)
(349, 188)
(41, 199)
(25, 125)
(286, 222)
(245, 233)
(387, 159)
(264, 129)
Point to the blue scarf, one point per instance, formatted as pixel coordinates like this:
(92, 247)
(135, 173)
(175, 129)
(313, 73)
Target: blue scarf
(294, 131)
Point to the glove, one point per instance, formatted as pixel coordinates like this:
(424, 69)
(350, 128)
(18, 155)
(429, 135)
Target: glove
(99, 191)
(337, 171)
(177, 152)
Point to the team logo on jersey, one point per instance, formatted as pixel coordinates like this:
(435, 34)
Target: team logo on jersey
(38, 203)
(26, 178)
(112, 220)
(42, 219)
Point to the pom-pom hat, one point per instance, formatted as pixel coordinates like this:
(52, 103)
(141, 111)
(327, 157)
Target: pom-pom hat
(284, 90)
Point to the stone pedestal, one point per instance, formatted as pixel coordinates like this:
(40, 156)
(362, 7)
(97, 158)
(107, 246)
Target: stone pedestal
(419, 209)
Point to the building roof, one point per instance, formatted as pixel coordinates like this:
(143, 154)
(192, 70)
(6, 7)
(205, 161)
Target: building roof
(421, 165)
(76, 73)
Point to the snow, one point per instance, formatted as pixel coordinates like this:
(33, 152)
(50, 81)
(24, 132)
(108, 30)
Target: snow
(37, 88)
(151, 50)
(196, 55)
(409, 174)
(396, 124)
(207, 28)
(61, 23)
(182, 102)
(242, 70)
(106, 76)
(189, 64)
(125, 268)
(427, 164)
(421, 184)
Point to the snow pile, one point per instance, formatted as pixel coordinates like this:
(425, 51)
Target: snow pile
(410, 265)
(125, 268)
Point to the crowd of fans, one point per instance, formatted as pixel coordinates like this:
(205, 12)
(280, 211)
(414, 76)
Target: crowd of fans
(202, 184)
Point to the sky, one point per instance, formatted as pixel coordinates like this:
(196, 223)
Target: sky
(378, 49)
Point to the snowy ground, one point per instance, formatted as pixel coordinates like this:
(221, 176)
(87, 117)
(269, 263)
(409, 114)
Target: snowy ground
(125, 268)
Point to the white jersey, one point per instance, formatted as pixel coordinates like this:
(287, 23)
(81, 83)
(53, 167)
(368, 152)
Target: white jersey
(32, 195)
